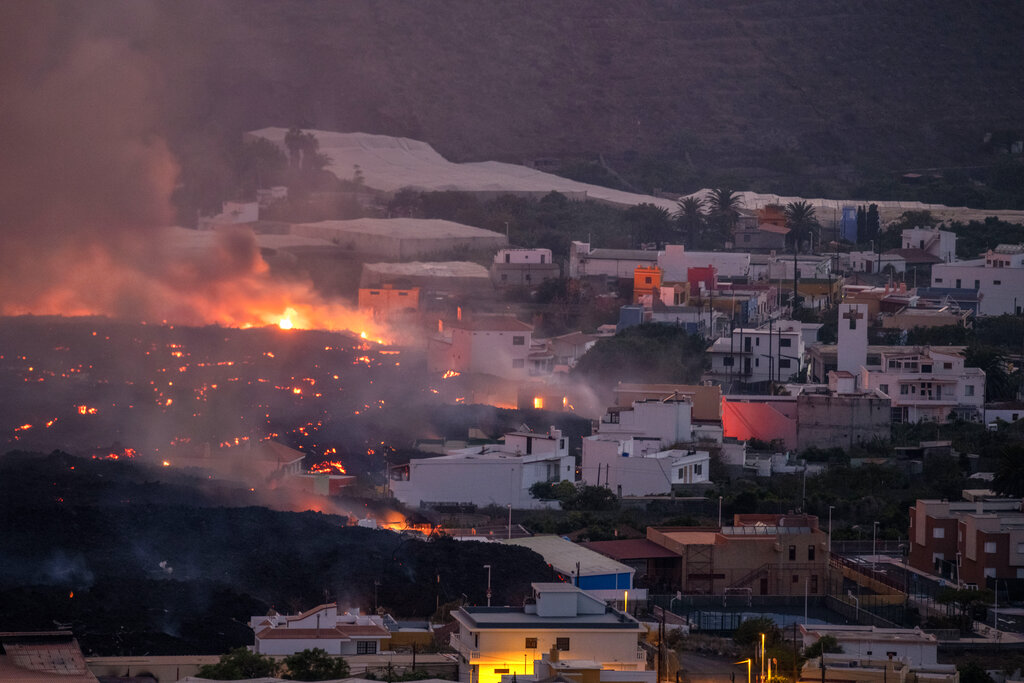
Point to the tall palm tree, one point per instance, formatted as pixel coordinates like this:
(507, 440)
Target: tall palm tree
(723, 206)
(802, 223)
(690, 218)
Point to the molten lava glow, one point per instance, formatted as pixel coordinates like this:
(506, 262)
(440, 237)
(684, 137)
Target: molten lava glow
(328, 467)
(286, 323)
(149, 277)
(450, 374)
(538, 402)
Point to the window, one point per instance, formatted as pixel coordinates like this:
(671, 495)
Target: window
(904, 389)
(814, 583)
(746, 238)
(938, 280)
(504, 277)
(792, 553)
(403, 294)
(698, 468)
(997, 282)
(531, 643)
(562, 644)
(1020, 548)
(796, 578)
(518, 362)
(990, 546)
(784, 363)
(977, 284)
(926, 368)
(727, 361)
(947, 366)
(366, 647)
(785, 342)
(969, 390)
(810, 553)
(1020, 573)
(938, 532)
(518, 340)
(990, 572)
(884, 388)
(682, 473)
(527, 277)
(647, 280)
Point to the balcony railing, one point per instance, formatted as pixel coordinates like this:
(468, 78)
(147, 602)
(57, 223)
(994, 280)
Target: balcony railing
(464, 648)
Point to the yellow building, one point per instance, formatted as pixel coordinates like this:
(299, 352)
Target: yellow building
(498, 641)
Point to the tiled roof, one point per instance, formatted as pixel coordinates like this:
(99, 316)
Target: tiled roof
(630, 549)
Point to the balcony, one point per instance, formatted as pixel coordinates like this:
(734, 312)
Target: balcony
(464, 648)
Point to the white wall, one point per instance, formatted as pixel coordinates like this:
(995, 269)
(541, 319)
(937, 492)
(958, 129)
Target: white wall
(1001, 289)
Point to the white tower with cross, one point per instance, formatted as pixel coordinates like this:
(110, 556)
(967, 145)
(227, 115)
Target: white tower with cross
(853, 337)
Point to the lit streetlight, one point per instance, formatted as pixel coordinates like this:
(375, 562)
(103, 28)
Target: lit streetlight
(488, 568)
(748, 662)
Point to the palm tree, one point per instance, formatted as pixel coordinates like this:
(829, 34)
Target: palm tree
(724, 205)
(690, 218)
(802, 223)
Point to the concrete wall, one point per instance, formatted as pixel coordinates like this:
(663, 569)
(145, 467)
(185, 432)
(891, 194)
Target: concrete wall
(825, 421)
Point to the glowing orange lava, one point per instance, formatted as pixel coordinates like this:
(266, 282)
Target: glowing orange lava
(327, 467)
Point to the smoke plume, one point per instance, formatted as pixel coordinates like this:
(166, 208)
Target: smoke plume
(87, 177)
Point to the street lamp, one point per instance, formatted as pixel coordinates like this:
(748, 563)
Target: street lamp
(762, 657)
(488, 568)
(746, 661)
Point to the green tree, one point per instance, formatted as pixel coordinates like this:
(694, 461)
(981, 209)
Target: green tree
(691, 219)
(822, 645)
(648, 223)
(314, 665)
(723, 209)
(1009, 474)
(965, 600)
(999, 385)
(749, 632)
(239, 664)
(973, 672)
(802, 221)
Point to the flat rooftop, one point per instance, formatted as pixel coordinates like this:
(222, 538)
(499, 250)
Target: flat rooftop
(565, 555)
(515, 617)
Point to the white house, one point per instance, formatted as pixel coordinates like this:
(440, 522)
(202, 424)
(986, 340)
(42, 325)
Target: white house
(926, 383)
(324, 626)
(613, 464)
(675, 261)
(491, 344)
(998, 279)
(613, 263)
(498, 474)
(938, 243)
(667, 420)
(752, 355)
(873, 262)
(910, 645)
(496, 641)
(523, 267)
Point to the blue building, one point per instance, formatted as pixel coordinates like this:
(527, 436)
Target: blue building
(848, 224)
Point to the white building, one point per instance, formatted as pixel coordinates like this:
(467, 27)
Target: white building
(781, 267)
(938, 243)
(925, 383)
(752, 355)
(499, 474)
(231, 213)
(675, 260)
(325, 627)
(615, 464)
(998, 278)
(494, 345)
(909, 645)
(497, 641)
(523, 267)
(873, 262)
(853, 338)
(667, 421)
(613, 263)
(598, 574)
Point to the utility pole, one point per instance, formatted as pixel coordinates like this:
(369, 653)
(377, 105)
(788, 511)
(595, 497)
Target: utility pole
(488, 568)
